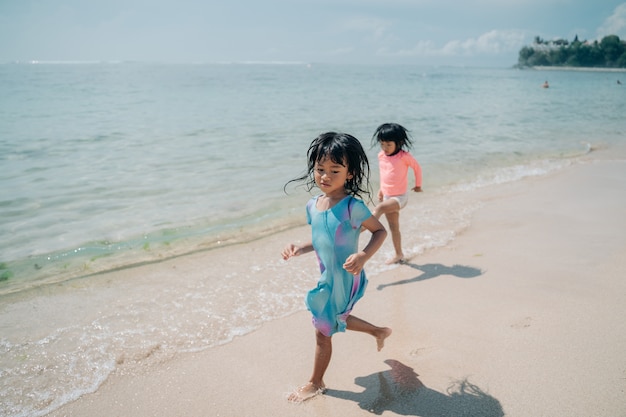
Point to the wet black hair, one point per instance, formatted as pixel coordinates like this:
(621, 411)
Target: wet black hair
(343, 149)
(393, 132)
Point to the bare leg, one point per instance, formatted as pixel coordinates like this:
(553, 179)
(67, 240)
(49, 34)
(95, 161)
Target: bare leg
(385, 207)
(393, 218)
(380, 333)
(391, 209)
(323, 353)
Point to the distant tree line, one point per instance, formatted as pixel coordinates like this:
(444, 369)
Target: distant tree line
(610, 52)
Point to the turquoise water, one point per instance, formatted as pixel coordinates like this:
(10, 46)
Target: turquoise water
(109, 165)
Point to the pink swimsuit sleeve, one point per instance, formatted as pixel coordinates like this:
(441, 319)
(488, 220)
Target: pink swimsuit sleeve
(415, 166)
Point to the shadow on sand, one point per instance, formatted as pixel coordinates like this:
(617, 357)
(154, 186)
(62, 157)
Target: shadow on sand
(435, 270)
(400, 391)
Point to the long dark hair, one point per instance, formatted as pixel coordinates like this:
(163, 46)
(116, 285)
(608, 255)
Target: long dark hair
(393, 132)
(342, 149)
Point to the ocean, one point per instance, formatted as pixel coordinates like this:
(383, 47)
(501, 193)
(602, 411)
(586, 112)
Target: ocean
(110, 166)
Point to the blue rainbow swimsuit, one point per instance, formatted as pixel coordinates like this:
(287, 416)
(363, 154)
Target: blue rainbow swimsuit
(335, 236)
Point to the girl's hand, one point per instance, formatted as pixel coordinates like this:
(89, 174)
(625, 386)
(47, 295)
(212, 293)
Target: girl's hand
(417, 189)
(380, 195)
(295, 250)
(355, 262)
(290, 250)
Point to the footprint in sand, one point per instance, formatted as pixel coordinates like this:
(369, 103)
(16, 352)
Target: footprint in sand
(522, 324)
(418, 351)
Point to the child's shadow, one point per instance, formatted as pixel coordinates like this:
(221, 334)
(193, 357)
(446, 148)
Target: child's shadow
(435, 270)
(400, 391)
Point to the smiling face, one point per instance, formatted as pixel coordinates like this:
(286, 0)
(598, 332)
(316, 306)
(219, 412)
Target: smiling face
(331, 177)
(388, 147)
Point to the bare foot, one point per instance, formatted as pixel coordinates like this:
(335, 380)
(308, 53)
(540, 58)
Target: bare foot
(384, 333)
(396, 259)
(306, 392)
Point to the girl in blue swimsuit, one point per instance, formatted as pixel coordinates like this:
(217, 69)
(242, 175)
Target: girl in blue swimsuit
(338, 166)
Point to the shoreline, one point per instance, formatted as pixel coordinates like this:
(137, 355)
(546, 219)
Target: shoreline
(497, 323)
(582, 69)
(81, 263)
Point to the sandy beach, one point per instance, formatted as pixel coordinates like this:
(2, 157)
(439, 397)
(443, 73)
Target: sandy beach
(522, 315)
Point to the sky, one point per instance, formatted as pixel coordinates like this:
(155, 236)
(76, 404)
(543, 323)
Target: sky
(420, 32)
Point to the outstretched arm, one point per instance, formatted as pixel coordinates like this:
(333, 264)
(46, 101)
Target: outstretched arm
(417, 171)
(355, 262)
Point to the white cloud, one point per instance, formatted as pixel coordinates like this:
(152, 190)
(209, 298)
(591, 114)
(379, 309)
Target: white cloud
(490, 43)
(614, 24)
(493, 42)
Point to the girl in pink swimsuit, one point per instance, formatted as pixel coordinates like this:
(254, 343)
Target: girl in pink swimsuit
(394, 162)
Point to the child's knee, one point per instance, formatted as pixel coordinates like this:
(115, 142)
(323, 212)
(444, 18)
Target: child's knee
(321, 338)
